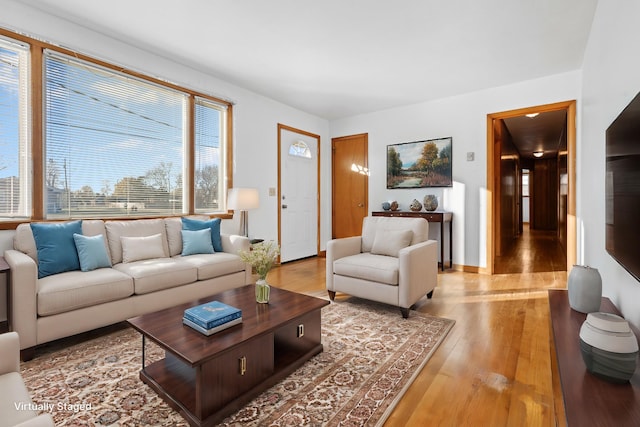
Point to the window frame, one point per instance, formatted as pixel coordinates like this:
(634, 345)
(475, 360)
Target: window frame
(36, 108)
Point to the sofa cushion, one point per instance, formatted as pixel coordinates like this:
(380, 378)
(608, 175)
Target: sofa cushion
(55, 246)
(76, 289)
(196, 242)
(161, 273)
(215, 265)
(92, 252)
(212, 224)
(139, 248)
(367, 266)
(389, 243)
(134, 228)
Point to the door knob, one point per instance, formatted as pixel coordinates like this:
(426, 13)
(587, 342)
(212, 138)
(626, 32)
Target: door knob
(361, 205)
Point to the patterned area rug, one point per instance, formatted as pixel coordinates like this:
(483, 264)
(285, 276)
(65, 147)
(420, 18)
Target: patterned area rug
(371, 355)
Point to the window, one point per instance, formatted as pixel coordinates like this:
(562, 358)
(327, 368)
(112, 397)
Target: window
(15, 159)
(300, 149)
(103, 141)
(114, 144)
(210, 166)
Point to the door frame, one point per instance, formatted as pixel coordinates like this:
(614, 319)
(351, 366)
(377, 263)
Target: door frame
(492, 203)
(282, 127)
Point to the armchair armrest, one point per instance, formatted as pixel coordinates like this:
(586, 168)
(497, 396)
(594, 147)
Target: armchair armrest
(340, 248)
(24, 293)
(418, 271)
(9, 353)
(42, 420)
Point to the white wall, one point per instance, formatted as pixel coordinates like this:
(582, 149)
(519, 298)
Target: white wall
(611, 78)
(463, 118)
(255, 116)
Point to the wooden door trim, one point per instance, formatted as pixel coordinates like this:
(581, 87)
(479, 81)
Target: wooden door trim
(570, 108)
(282, 127)
(365, 136)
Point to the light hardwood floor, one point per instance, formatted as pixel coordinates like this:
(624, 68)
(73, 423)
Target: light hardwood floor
(493, 369)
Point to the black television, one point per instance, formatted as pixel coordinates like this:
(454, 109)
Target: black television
(622, 188)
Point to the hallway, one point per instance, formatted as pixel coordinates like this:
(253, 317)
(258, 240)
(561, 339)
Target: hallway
(533, 252)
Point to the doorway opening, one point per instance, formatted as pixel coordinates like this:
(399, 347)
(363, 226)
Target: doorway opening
(531, 174)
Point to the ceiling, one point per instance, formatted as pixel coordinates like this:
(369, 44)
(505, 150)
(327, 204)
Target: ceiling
(337, 58)
(545, 132)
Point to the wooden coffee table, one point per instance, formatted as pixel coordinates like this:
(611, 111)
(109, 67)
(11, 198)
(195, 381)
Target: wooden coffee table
(206, 378)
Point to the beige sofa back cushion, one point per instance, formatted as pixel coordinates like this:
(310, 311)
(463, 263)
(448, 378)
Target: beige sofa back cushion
(24, 242)
(374, 224)
(135, 228)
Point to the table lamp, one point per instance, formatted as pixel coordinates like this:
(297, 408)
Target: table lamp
(243, 199)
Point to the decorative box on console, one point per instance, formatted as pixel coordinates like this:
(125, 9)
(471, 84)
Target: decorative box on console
(609, 347)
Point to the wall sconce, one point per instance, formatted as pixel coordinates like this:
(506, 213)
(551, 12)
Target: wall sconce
(243, 199)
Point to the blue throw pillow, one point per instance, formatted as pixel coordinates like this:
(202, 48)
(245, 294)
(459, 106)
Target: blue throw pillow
(55, 246)
(196, 242)
(213, 224)
(92, 252)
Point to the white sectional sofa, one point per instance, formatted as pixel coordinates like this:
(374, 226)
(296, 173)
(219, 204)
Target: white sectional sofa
(148, 272)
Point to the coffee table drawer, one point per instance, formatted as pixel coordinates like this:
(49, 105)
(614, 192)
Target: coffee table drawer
(235, 371)
(298, 336)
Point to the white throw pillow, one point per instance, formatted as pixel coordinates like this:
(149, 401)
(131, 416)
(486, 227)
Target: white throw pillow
(389, 242)
(139, 248)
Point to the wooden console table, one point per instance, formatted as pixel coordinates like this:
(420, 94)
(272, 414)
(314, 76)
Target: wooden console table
(435, 216)
(588, 400)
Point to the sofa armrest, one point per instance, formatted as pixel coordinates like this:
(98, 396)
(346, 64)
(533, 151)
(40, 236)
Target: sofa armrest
(340, 248)
(9, 353)
(233, 243)
(43, 420)
(24, 294)
(418, 271)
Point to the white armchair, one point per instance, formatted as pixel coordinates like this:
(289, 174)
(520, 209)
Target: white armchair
(393, 262)
(16, 407)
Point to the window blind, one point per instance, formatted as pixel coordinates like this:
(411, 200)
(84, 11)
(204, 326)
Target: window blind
(15, 140)
(209, 184)
(114, 144)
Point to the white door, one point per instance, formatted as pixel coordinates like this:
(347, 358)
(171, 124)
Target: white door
(298, 194)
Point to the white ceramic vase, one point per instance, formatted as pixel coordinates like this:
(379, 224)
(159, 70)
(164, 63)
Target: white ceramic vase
(585, 289)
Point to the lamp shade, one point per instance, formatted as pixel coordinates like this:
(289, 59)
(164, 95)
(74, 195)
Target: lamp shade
(243, 199)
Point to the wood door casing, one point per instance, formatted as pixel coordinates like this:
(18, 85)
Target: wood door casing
(350, 185)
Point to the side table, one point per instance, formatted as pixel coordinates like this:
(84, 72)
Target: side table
(4, 268)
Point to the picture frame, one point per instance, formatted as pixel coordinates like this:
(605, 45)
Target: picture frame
(420, 164)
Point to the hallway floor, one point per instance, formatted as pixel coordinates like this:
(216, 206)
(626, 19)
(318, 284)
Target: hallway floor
(533, 252)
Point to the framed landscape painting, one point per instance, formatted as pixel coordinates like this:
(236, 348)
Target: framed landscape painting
(420, 164)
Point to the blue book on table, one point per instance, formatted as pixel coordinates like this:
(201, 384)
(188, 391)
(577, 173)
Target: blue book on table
(212, 314)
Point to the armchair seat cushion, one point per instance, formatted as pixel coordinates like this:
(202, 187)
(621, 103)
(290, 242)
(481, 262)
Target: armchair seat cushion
(13, 392)
(368, 266)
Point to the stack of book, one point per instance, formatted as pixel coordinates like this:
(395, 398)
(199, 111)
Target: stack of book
(212, 317)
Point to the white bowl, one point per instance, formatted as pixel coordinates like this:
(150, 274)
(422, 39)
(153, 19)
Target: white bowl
(608, 332)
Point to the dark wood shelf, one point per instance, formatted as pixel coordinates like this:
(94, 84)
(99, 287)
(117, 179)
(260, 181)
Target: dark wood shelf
(588, 400)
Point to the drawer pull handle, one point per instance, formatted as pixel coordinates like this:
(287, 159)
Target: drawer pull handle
(243, 365)
(300, 331)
